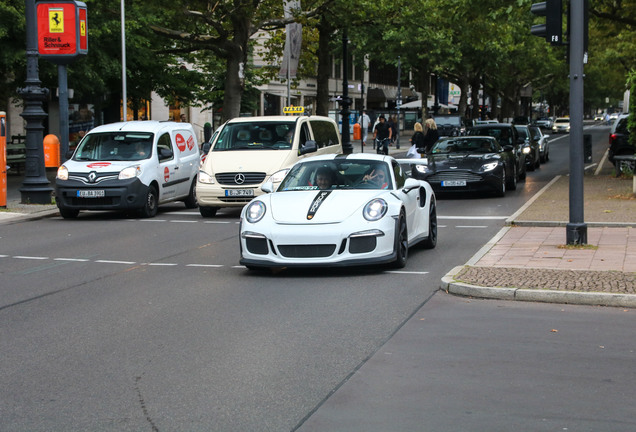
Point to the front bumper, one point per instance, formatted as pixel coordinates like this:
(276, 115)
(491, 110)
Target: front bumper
(475, 182)
(117, 195)
(215, 196)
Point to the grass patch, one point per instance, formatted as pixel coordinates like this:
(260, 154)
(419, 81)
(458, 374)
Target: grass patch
(577, 247)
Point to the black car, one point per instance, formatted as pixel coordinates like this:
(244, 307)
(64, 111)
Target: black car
(531, 147)
(469, 163)
(506, 134)
(619, 144)
(450, 125)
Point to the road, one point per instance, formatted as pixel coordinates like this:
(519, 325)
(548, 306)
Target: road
(112, 323)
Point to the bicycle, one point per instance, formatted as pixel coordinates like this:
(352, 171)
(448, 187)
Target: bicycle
(382, 146)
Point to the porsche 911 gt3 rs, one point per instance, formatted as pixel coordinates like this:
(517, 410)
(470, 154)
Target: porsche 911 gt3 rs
(358, 209)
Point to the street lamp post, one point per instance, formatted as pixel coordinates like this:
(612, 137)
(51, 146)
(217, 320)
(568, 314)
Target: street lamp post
(36, 187)
(398, 103)
(347, 148)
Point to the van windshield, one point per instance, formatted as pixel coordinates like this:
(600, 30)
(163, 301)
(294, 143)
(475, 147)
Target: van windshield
(115, 146)
(266, 135)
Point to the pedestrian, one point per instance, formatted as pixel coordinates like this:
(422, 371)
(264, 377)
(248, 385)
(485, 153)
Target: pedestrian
(417, 139)
(382, 135)
(393, 125)
(364, 125)
(431, 135)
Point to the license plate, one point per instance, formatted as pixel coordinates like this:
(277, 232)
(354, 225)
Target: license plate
(454, 183)
(91, 193)
(239, 192)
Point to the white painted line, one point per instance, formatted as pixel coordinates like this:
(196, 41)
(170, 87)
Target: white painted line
(161, 264)
(471, 226)
(149, 220)
(216, 222)
(71, 259)
(204, 265)
(115, 262)
(30, 257)
(4, 256)
(184, 221)
(473, 217)
(406, 272)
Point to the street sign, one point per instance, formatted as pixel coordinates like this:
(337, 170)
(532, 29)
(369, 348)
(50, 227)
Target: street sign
(62, 30)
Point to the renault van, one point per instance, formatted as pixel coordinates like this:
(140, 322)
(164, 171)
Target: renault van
(248, 151)
(135, 165)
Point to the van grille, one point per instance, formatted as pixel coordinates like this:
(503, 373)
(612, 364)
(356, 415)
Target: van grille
(234, 178)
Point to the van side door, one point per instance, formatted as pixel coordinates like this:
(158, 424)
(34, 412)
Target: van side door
(167, 171)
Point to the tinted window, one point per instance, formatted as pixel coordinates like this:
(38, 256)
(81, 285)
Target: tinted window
(255, 136)
(325, 133)
(621, 126)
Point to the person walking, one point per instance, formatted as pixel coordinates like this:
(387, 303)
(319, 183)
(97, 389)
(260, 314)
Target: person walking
(382, 135)
(364, 124)
(417, 139)
(431, 135)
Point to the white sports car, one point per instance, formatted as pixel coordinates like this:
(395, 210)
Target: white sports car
(358, 209)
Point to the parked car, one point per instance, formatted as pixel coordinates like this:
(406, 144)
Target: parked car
(248, 151)
(619, 143)
(544, 143)
(134, 165)
(337, 210)
(561, 125)
(544, 122)
(531, 147)
(505, 134)
(468, 163)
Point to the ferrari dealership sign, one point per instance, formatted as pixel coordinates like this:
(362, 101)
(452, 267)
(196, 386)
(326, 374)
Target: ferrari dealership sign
(62, 30)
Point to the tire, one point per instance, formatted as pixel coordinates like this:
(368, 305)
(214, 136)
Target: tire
(431, 240)
(501, 190)
(522, 175)
(149, 210)
(191, 201)
(512, 181)
(401, 243)
(207, 211)
(68, 213)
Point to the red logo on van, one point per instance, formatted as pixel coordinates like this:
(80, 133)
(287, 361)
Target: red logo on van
(181, 143)
(190, 142)
(166, 174)
(98, 165)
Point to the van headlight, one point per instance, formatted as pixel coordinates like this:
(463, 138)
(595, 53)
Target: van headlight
(205, 178)
(278, 176)
(130, 172)
(62, 173)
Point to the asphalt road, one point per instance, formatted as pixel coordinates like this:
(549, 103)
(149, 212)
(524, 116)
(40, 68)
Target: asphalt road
(111, 323)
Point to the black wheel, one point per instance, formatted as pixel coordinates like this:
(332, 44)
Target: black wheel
(191, 201)
(68, 213)
(431, 240)
(151, 205)
(512, 181)
(207, 211)
(522, 174)
(501, 190)
(547, 155)
(401, 243)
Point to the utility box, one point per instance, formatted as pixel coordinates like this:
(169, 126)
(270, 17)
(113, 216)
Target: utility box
(587, 148)
(51, 151)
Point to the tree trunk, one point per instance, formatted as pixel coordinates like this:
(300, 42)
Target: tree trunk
(236, 61)
(463, 98)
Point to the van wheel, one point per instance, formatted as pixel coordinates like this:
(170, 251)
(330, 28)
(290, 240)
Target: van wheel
(191, 200)
(207, 211)
(150, 208)
(68, 213)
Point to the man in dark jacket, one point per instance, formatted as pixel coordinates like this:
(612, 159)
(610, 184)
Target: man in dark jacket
(382, 133)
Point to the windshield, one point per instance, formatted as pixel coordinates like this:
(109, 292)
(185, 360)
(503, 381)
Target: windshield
(523, 132)
(502, 134)
(115, 146)
(465, 145)
(453, 121)
(345, 174)
(256, 136)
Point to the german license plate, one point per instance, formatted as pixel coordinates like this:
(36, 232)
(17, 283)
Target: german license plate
(454, 183)
(239, 192)
(91, 193)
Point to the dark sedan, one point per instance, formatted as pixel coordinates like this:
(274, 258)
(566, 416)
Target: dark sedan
(530, 148)
(469, 163)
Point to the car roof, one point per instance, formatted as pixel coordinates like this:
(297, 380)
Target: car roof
(490, 125)
(353, 156)
(477, 137)
(152, 126)
(278, 118)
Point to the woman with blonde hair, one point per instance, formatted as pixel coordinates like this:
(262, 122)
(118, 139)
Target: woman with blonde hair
(430, 134)
(418, 138)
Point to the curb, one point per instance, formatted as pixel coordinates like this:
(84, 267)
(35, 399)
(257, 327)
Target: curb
(8, 218)
(545, 296)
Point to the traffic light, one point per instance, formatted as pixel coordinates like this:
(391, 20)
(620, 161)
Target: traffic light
(552, 29)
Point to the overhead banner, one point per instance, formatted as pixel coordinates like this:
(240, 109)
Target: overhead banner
(293, 41)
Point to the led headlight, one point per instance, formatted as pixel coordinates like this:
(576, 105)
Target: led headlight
(375, 209)
(130, 172)
(526, 150)
(62, 173)
(489, 166)
(255, 211)
(205, 178)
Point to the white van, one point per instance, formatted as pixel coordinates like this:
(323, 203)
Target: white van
(130, 165)
(247, 151)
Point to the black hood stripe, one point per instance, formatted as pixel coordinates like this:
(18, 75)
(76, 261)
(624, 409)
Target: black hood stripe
(316, 203)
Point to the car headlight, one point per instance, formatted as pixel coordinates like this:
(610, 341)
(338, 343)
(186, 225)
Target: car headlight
(205, 178)
(375, 209)
(62, 173)
(526, 150)
(421, 168)
(278, 176)
(489, 166)
(255, 211)
(130, 172)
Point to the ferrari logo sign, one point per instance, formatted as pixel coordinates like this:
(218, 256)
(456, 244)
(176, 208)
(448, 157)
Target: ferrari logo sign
(56, 20)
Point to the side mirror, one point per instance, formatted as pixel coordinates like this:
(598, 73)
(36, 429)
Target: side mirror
(206, 147)
(309, 147)
(410, 184)
(165, 153)
(268, 187)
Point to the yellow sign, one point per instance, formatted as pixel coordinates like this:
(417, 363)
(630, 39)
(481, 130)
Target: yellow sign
(82, 28)
(294, 110)
(56, 20)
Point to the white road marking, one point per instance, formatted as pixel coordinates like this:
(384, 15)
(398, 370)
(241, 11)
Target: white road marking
(30, 257)
(406, 272)
(184, 221)
(115, 262)
(71, 259)
(217, 222)
(204, 265)
(161, 264)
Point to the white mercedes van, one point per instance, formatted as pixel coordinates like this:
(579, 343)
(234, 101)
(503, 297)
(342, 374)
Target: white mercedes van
(130, 165)
(247, 151)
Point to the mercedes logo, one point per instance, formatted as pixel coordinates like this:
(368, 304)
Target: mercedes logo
(92, 176)
(239, 178)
